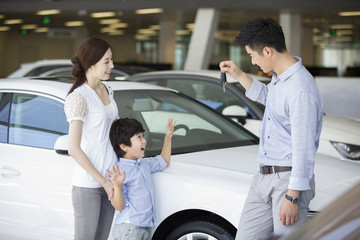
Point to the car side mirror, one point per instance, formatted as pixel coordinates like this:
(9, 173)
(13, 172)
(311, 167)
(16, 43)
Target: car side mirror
(61, 145)
(236, 112)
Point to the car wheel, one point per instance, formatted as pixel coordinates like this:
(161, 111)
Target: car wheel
(200, 230)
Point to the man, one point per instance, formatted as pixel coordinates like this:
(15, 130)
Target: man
(281, 191)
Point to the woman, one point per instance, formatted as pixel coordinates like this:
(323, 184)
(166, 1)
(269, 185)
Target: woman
(90, 110)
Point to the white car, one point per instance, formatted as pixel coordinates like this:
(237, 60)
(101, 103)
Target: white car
(38, 67)
(339, 136)
(200, 196)
(63, 68)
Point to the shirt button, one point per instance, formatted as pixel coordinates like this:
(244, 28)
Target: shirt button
(268, 118)
(268, 136)
(265, 154)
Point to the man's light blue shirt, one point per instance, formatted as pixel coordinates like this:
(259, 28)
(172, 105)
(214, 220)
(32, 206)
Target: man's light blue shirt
(292, 122)
(138, 190)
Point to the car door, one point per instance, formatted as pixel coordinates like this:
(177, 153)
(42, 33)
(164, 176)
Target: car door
(35, 182)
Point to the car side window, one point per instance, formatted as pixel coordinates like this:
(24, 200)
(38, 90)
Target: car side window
(36, 121)
(4, 116)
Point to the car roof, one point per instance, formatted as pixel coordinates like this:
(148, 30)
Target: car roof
(199, 73)
(30, 66)
(59, 87)
(41, 66)
(47, 62)
(68, 70)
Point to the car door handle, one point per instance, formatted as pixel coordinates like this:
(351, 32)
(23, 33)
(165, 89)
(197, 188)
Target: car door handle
(8, 172)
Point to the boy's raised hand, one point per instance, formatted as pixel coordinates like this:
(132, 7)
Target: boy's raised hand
(116, 177)
(170, 127)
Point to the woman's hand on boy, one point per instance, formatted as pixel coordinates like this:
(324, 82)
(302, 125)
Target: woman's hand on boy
(115, 176)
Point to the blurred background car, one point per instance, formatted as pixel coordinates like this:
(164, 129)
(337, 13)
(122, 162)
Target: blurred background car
(339, 136)
(38, 67)
(341, 95)
(63, 68)
(201, 194)
(339, 220)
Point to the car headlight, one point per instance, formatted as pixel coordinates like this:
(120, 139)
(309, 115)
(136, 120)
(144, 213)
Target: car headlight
(346, 150)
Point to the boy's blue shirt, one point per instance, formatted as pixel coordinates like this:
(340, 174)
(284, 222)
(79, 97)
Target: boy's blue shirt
(138, 190)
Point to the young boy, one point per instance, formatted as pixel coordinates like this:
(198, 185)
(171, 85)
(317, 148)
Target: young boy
(133, 187)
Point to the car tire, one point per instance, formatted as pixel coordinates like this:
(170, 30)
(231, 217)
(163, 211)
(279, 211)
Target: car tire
(200, 229)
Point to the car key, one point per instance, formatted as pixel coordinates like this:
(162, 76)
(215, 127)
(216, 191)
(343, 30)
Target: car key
(223, 80)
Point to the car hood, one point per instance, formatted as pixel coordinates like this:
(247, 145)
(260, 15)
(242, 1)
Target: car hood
(233, 168)
(341, 128)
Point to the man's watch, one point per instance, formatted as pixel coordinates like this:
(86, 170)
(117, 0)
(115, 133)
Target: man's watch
(294, 200)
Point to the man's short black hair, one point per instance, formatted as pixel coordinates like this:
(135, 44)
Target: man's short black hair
(260, 33)
(121, 131)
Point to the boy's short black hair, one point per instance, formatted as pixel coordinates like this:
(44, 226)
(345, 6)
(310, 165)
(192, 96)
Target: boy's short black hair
(260, 33)
(121, 131)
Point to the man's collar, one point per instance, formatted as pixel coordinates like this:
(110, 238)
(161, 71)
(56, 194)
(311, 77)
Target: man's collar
(288, 72)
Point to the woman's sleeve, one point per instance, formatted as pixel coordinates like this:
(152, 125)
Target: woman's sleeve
(75, 107)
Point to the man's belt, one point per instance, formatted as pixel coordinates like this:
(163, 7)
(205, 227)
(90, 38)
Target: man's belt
(273, 169)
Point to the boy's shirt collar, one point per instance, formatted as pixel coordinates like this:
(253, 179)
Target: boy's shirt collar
(130, 162)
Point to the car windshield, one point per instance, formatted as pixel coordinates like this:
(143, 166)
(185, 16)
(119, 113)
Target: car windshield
(198, 127)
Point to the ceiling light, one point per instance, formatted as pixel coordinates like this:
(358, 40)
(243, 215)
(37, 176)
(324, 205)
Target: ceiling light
(344, 39)
(109, 21)
(119, 25)
(117, 32)
(155, 27)
(316, 30)
(103, 14)
(347, 14)
(141, 37)
(147, 31)
(74, 23)
(13, 21)
(41, 30)
(108, 30)
(344, 32)
(190, 26)
(318, 38)
(149, 11)
(29, 26)
(182, 32)
(4, 28)
(341, 26)
(48, 12)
